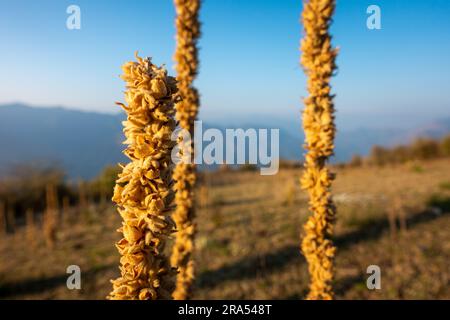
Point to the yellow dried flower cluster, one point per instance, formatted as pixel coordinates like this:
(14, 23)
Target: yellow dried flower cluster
(143, 189)
(186, 58)
(318, 60)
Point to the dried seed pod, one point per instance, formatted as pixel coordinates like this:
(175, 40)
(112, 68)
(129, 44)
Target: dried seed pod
(318, 61)
(186, 58)
(143, 190)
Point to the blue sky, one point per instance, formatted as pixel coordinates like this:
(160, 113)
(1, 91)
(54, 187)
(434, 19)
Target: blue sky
(249, 55)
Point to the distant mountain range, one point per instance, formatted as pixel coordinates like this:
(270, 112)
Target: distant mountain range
(84, 142)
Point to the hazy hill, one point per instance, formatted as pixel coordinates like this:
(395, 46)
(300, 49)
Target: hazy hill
(81, 142)
(84, 142)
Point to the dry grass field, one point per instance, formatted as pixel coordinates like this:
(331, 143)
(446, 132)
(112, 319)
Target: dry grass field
(396, 217)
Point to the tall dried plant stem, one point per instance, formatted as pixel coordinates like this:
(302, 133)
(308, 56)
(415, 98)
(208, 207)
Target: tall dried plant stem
(50, 216)
(3, 223)
(11, 214)
(186, 58)
(65, 211)
(318, 61)
(83, 205)
(144, 188)
(30, 228)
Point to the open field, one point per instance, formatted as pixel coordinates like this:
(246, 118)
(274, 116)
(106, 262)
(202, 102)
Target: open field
(397, 217)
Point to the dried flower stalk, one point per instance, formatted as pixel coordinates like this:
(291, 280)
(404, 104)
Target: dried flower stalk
(30, 227)
(50, 216)
(11, 217)
(318, 61)
(143, 190)
(65, 211)
(186, 58)
(3, 223)
(83, 206)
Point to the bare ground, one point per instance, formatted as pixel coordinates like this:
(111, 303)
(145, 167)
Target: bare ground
(249, 228)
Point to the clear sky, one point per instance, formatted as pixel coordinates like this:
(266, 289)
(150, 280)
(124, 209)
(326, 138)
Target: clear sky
(249, 54)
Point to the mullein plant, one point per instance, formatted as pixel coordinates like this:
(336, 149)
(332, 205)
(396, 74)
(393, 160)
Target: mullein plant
(144, 188)
(318, 60)
(186, 58)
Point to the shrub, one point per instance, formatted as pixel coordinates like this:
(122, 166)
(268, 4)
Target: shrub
(378, 156)
(25, 187)
(424, 148)
(420, 149)
(445, 146)
(248, 167)
(356, 161)
(289, 164)
(100, 188)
